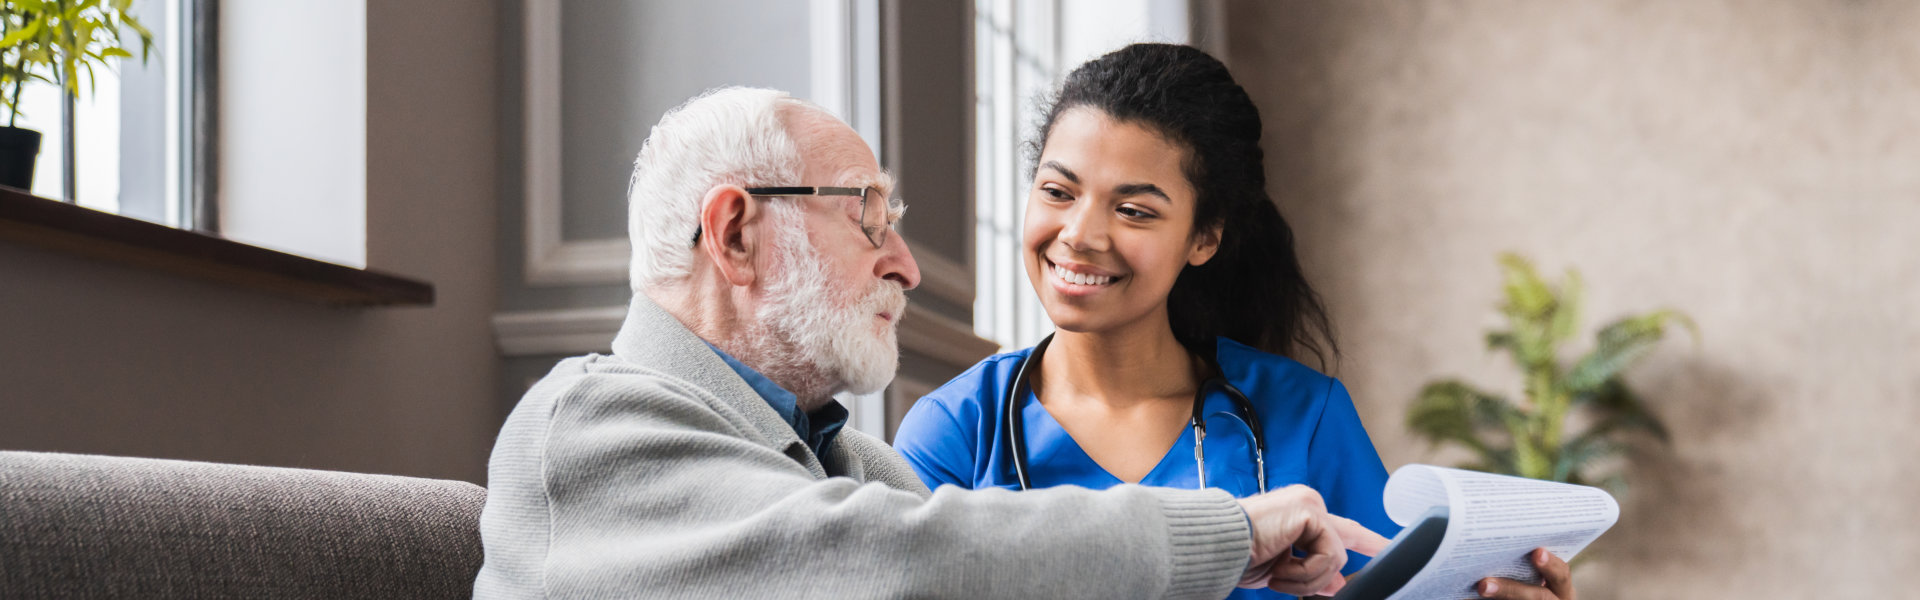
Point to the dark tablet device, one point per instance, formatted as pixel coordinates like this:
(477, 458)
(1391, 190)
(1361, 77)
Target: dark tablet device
(1403, 558)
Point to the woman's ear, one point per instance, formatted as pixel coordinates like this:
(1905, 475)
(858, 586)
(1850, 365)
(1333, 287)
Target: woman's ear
(1206, 242)
(729, 219)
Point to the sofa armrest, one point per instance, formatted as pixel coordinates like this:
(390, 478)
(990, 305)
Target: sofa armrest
(77, 526)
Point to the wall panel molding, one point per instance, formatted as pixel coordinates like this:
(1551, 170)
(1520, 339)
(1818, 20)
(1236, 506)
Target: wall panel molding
(550, 259)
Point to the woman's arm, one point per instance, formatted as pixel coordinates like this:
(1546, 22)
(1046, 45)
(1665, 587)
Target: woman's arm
(1343, 465)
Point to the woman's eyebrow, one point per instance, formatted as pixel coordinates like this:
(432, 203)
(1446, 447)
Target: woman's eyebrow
(1062, 169)
(1123, 190)
(1126, 190)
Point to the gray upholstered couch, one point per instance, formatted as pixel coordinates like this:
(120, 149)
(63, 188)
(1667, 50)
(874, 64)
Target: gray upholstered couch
(74, 526)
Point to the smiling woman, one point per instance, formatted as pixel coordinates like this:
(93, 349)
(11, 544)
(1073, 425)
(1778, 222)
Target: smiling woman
(1180, 309)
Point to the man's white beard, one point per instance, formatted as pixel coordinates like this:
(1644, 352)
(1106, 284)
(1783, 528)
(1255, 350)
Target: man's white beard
(827, 337)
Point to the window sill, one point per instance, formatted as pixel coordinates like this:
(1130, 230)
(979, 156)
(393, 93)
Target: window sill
(38, 222)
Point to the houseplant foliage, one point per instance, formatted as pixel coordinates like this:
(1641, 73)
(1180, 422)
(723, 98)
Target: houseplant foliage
(55, 41)
(1532, 439)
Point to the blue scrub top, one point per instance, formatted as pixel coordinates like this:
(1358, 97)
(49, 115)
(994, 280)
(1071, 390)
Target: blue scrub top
(956, 436)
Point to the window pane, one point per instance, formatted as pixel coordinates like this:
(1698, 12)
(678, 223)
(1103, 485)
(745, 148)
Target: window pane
(127, 127)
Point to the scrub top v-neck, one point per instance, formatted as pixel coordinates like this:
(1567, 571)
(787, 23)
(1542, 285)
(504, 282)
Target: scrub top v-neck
(1055, 458)
(956, 436)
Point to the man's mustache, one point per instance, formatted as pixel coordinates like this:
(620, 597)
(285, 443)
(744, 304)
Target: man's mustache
(889, 297)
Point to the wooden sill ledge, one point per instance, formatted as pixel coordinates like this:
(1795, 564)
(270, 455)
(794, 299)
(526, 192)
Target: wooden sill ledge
(38, 222)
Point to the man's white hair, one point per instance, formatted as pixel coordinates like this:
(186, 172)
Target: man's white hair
(731, 135)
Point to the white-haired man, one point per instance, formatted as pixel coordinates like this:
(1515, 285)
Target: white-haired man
(705, 458)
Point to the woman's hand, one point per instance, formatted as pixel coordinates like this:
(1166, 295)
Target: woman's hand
(1554, 574)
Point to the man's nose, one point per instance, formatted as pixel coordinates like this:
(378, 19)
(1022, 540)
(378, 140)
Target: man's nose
(896, 262)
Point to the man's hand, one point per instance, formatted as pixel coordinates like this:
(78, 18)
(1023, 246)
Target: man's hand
(1293, 519)
(1554, 573)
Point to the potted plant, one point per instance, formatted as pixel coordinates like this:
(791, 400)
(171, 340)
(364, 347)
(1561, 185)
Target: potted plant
(52, 41)
(1532, 439)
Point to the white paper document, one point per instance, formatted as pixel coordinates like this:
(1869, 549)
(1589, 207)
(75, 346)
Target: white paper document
(1492, 523)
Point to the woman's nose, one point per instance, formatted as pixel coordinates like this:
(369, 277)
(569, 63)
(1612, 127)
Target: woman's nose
(1085, 228)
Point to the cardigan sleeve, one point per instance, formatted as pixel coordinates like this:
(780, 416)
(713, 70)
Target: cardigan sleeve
(652, 489)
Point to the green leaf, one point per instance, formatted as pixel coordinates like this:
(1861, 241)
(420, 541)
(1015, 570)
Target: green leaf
(1619, 410)
(1526, 293)
(1497, 340)
(1566, 309)
(20, 35)
(1581, 452)
(1620, 344)
(1452, 411)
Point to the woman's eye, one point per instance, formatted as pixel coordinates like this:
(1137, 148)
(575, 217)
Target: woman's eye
(1057, 193)
(1133, 213)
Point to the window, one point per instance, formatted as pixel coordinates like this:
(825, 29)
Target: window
(128, 144)
(1015, 61)
(139, 145)
(1022, 49)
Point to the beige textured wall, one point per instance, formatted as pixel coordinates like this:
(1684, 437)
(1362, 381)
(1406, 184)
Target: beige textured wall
(1753, 163)
(100, 358)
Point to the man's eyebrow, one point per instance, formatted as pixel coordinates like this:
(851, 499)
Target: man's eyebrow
(882, 181)
(1062, 170)
(1135, 189)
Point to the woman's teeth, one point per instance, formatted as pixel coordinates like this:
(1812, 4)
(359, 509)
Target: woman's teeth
(1079, 278)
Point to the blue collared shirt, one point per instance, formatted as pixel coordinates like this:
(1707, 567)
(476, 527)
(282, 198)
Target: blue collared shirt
(817, 428)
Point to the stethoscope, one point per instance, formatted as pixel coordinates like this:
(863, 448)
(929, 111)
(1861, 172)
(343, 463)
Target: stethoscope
(1216, 380)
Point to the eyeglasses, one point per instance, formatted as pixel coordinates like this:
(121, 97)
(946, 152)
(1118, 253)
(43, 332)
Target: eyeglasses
(877, 216)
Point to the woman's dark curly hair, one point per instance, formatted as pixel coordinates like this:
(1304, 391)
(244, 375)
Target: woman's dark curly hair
(1253, 290)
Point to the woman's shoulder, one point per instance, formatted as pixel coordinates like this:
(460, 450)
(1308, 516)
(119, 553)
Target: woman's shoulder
(1231, 351)
(981, 386)
(1274, 374)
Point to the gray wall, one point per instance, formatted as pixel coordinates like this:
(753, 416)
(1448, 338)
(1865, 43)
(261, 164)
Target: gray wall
(106, 359)
(1751, 163)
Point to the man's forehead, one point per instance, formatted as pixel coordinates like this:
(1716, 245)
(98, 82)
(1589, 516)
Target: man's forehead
(848, 168)
(831, 146)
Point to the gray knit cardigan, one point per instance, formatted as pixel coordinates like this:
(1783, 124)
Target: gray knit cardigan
(658, 473)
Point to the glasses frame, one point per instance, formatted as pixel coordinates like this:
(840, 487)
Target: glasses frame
(875, 235)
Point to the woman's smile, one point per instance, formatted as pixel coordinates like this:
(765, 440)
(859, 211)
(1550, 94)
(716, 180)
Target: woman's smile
(1075, 279)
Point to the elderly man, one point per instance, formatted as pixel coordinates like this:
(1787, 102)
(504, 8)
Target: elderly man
(705, 457)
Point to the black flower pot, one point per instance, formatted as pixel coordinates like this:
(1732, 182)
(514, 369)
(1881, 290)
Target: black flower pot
(18, 149)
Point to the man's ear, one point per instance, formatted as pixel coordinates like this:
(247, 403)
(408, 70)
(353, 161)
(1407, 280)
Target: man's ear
(728, 218)
(1206, 243)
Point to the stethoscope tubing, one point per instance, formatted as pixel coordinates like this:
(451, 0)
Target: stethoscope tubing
(1016, 420)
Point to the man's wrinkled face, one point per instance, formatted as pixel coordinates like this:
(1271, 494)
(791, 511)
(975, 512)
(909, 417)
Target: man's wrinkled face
(832, 298)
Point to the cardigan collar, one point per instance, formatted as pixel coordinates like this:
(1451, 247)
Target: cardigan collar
(655, 339)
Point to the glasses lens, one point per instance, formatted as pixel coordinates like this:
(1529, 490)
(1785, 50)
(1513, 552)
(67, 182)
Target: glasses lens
(873, 217)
